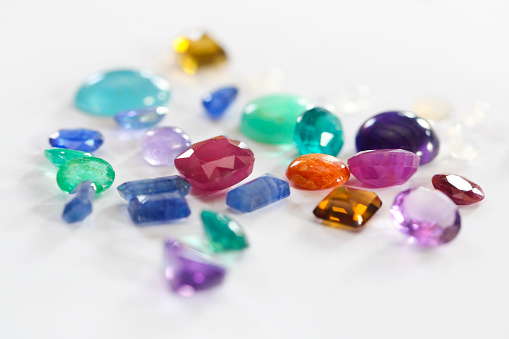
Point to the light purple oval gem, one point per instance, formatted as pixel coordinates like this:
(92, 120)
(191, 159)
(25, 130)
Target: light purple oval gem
(161, 145)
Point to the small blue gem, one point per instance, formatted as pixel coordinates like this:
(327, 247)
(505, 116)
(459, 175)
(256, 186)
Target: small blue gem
(158, 208)
(258, 193)
(141, 118)
(85, 140)
(218, 101)
(174, 183)
(79, 202)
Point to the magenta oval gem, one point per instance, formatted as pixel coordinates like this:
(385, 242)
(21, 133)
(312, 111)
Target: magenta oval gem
(161, 145)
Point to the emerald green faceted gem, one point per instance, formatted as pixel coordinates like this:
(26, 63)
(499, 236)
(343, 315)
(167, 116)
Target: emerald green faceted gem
(318, 131)
(222, 233)
(271, 119)
(78, 170)
(59, 156)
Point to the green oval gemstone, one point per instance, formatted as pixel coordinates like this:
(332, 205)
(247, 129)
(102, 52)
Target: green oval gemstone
(271, 119)
(222, 233)
(59, 156)
(78, 170)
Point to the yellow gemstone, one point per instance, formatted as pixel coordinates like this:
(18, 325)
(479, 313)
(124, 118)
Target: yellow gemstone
(193, 54)
(348, 208)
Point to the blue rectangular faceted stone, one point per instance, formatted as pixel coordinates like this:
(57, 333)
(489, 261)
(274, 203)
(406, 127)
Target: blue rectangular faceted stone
(158, 208)
(79, 202)
(174, 183)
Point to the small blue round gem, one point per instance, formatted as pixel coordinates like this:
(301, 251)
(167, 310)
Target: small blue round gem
(85, 140)
(218, 101)
(141, 118)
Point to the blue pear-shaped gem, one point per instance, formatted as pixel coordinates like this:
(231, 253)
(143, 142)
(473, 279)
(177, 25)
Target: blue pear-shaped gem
(140, 118)
(218, 101)
(85, 140)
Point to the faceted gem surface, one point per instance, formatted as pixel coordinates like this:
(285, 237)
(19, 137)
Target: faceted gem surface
(131, 189)
(161, 145)
(218, 101)
(78, 170)
(399, 130)
(79, 203)
(348, 208)
(188, 270)
(85, 140)
(108, 93)
(461, 190)
(383, 168)
(317, 172)
(195, 52)
(59, 156)
(141, 118)
(427, 216)
(223, 233)
(258, 193)
(158, 208)
(318, 131)
(216, 163)
(272, 118)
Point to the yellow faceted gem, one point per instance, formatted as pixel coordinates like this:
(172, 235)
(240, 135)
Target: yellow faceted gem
(193, 54)
(348, 208)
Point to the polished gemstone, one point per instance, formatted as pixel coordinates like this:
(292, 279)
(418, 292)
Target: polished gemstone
(197, 51)
(463, 144)
(161, 145)
(158, 208)
(85, 140)
(427, 216)
(218, 101)
(131, 189)
(461, 190)
(399, 130)
(317, 172)
(141, 118)
(348, 208)
(475, 115)
(79, 203)
(258, 193)
(59, 156)
(216, 163)
(432, 108)
(78, 170)
(264, 82)
(223, 233)
(272, 118)
(350, 101)
(384, 167)
(109, 93)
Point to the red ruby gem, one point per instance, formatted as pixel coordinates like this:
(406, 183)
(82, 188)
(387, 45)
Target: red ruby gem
(461, 190)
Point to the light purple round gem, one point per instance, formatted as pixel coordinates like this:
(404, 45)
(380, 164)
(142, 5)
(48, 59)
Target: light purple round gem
(427, 216)
(161, 145)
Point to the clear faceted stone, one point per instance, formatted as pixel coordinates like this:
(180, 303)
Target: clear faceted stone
(432, 108)
(265, 82)
(161, 145)
(475, 114)
(350, 102)
(462, 143)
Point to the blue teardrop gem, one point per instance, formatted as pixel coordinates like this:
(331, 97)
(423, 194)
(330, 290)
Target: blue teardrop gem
(218, 101)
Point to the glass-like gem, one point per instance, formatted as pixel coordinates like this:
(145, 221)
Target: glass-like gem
(197, 51)
(318, 131)
(108, 93)
(218, 101)
(384, 168)
(78, 170)
(461, 190)
(462, 143)
(398, 130)
(476, 114)
(161, 145)
(141, 118)
(59, 156)
(427, 216)
(79, 203)
(85, 140)
(348, 208)
(272, 118)
(158, 208)
(317, 172)
(223, 233)
(432, 108)
(216, 163)
(258, 193)
(131, 189)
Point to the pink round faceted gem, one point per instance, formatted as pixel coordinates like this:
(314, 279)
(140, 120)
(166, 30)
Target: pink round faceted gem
(161, 145)
(216, 163)
(427, 216)
(384, 167)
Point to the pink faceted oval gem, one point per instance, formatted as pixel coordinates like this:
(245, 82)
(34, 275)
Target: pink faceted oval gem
(461, 190)
(216, 163)
(384, 167)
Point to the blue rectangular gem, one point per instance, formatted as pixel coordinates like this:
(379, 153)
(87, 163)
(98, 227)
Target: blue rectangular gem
(158, 208)
(174, 183)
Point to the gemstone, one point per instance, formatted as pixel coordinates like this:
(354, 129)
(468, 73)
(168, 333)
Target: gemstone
(158, 208)
(384, 168)
(216, 163)
(399, 130)
(352, 101)
(59, 156)
(258, 193)
(188, 270)
(476, 114)
(264, 82)
(317, 172)
(218, 101)
(78, 170)
(79, 203)
(459, 189)
(348, 208)
(432, 108)
(161, 145)
(427, 216)
(462, 143)
(131, 189)
(272, 118)
(141, 118)
(197, 51)
(85, 140)
(223, 233)
(108, 93)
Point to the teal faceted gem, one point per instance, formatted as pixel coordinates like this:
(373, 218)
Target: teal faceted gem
(109, 93)
(223, 233)
(318, 131)
(59, 156)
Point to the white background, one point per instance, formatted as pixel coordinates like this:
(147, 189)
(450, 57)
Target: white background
(299, 279)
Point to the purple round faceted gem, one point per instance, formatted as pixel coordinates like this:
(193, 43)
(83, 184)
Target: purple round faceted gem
(385, 167)
(161, 145)
(427, 216)
(399, 130)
